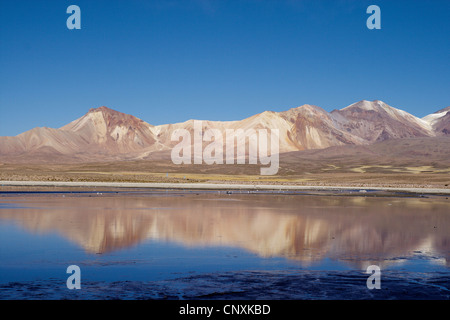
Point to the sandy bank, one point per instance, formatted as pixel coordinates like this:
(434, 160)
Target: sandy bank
(219, 186)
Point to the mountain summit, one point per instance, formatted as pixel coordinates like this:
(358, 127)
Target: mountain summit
(376, 121)
(439, 121)
(112, 131)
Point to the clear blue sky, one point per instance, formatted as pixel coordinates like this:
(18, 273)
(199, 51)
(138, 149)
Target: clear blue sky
(170, 61)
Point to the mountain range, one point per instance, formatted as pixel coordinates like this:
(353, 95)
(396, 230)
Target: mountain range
(106, 134)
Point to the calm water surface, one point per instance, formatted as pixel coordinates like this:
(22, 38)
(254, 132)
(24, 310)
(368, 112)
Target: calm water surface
(168, 244)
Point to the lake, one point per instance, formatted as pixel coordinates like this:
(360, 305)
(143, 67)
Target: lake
(169, 244)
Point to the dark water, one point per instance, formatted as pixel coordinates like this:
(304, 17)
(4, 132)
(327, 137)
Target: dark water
(214, 245)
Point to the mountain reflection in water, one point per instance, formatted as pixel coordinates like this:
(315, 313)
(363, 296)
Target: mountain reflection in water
(306, 228)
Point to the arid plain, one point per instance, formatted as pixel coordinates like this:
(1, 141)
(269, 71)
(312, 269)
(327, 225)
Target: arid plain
(417, 162)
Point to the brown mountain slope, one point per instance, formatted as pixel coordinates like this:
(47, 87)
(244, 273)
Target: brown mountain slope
(442, 126)
(314, 128)
(112, 131)
(62, 142)
(376, 121)
(440, 121)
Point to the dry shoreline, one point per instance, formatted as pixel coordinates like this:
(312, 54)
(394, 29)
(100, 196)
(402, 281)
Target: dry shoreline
(220, 186)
